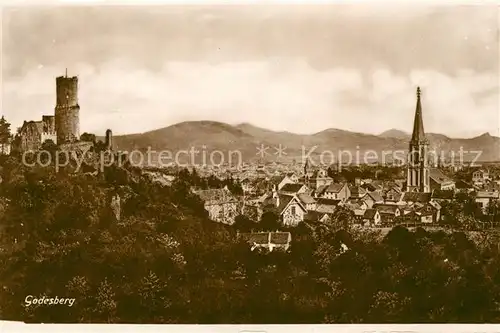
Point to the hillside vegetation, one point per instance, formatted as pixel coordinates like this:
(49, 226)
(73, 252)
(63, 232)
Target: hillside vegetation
(163, 261)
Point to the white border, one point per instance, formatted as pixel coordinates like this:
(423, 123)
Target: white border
(241, 2)
(16, 327)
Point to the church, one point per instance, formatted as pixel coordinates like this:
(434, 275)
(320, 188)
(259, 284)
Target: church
(418, 172)
(421, 178)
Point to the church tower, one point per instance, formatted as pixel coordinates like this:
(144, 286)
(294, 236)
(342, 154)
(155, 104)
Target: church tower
(418, 179)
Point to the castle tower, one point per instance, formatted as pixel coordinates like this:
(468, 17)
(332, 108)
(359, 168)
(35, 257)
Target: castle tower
(67, 111)
(418, 165)
(306, 172)
(109, 140)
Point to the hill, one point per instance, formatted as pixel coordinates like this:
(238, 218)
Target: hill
(394, 133)
(210, 136)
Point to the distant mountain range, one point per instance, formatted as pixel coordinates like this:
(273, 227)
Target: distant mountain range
(208, 136)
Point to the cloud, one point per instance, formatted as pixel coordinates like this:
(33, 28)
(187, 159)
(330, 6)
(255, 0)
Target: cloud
(279, 93)
(399, 38)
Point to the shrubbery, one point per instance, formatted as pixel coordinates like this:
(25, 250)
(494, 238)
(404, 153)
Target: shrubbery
(165, 262)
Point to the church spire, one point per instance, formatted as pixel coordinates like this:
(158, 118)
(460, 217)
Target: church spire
(418, 177)
(418, 124)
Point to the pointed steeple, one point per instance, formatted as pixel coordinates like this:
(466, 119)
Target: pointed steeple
(418, 124)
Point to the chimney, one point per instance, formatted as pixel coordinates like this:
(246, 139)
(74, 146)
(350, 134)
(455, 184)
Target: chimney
(276, 196)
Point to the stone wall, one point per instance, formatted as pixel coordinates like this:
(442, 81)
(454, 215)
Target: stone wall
(49, 124)
(30, 137)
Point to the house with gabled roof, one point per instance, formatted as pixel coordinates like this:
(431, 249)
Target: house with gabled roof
(326, 205)
(371, 198)
(463, 186)
(220, 204)
(371, 217)
(440, 181)
(392, 194)
(283, 181)
(336, 191)
(317, 217)
(293, 176)
(355, 204)
(442, 195)
(268, 241)
(320, 178)
(357, 191)
(375, 185)
(293, 189)
(308, 201)
(422, 213)
(274, 181)
(480, 176)
(484, 198)
(413, 197)
(289, 208)
(388, 212)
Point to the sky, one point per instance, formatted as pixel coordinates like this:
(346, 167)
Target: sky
(297, 68)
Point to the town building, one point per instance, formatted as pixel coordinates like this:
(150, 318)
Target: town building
(308, 201)
(315, 216)
(388, 213)
(220, 204)
(356, 191)
(371, 217)
(288, 207)
(480, 176)
(293, 189)
(268, 241)
(439, 181)
(484, 199)
(320, 179)
(327, 206)
(371, 198)
(336, 191)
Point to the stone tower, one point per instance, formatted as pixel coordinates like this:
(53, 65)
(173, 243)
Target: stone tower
(109, 140)
(418, 179)
(67, 111)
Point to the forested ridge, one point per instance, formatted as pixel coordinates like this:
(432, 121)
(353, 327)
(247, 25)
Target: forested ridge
(163, 261)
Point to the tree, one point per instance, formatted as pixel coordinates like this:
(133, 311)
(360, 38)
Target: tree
(342, 218)
(493, 210)
(244, 224)
(50, 147)
(106, 304)
(5, 135)
(467, 222)
(270, 221)
(164, 261)
(88, 137)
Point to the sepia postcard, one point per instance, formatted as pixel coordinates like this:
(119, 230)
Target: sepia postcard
(250, 164)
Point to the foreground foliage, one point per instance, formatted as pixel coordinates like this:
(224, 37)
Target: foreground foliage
(165, 262)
